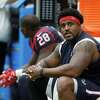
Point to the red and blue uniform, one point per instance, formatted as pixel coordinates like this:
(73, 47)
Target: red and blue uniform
(44, 37)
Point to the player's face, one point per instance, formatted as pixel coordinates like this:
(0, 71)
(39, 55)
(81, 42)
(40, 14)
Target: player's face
(69, 29)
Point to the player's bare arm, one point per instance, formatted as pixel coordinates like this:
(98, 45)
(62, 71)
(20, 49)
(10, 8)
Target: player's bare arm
(52, 60)
(49, 62)
(82, 56)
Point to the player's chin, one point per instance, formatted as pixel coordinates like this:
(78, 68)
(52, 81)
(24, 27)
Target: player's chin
(68, 38)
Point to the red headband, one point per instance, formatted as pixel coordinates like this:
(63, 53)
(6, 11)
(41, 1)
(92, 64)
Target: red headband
(71, 18)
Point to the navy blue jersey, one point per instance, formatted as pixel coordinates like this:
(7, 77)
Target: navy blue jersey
(66, 51)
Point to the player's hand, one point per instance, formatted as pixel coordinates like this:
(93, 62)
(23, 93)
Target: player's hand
(33, 72)
(7, 78)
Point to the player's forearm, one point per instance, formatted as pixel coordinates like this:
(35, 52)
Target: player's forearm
(43, 64)
(61, 71)
(48, 63)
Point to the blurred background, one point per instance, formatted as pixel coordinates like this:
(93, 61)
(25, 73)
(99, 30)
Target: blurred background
(47, 10)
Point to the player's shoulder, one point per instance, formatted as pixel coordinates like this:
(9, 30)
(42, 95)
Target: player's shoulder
(47, 29)
(50, 28)
(44, 29)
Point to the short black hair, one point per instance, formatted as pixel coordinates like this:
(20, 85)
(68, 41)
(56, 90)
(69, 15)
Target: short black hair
(30, 21)
(71, 12)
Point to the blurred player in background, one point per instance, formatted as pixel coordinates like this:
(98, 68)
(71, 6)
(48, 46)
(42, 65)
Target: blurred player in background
(43, 40)
(5, 30)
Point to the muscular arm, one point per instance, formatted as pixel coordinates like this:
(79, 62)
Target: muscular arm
(83, 55)
(52, 60)
(44, 52)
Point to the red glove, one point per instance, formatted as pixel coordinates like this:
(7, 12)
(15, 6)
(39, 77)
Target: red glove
(7, 78)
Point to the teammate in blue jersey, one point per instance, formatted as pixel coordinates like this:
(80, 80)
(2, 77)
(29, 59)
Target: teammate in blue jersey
(74, 64)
